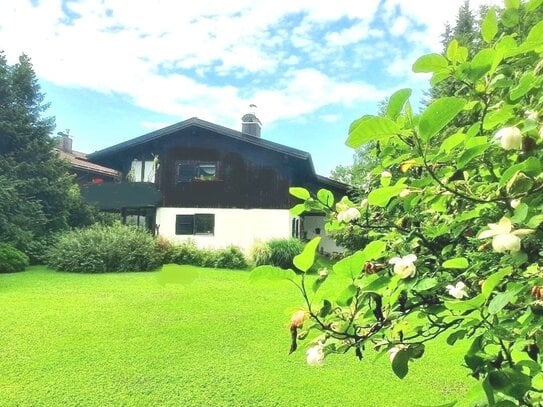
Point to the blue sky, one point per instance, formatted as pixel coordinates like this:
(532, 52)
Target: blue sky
(114, 70)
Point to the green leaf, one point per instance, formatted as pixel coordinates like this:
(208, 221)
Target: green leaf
(370, 128)
(535, 221)
(519, 184)
(456, 53)
(425, 284)
(456, 263)
(531, 166)
(466, 305)
(306, 258)
(455, 336)
(351, 266)
(500, 301)
(400, 363)
(297, 210)
(381, 196)
(440, 113)
(374, 250)
(489, 25)
(397, 102)
(510, 18)
(533, 4)
(451, 142)
(271, 273)
(492, 282)
(481, 63)
(526, 84)
(326, 197)
(497, 117)
(430, 63)
(346, 296)
(470, 154)
(300, 193)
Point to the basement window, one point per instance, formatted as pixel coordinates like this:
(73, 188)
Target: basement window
(196, 171)
(198, 224)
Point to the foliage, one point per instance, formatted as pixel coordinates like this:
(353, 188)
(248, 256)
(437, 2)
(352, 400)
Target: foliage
(37, 250)
(100, 249)
(260, 253)
(188, 252)
(11, 259)
(283, 251)
(455, 222)
(37, 194)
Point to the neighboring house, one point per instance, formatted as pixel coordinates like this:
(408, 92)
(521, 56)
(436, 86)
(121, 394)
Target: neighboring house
(218, 186)
(85, 171)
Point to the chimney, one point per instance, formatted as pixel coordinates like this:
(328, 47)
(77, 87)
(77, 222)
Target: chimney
(65, 141)
(250, 124)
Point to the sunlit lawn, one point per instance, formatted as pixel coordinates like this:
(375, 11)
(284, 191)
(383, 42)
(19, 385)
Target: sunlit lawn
(125, 340)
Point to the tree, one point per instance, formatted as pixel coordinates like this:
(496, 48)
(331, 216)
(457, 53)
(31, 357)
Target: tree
(37, 190)
(455, 232)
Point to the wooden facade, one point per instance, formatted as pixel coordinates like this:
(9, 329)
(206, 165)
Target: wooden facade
(201, 165)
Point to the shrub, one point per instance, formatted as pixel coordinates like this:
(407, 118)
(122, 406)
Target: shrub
(165, 247)
(230, 257)
(260, 253)
(11, 259)
(103, 248)
(37, 250)
(188, 253)
(283, 251)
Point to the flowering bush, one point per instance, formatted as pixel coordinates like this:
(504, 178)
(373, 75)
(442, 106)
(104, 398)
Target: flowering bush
(453, 220)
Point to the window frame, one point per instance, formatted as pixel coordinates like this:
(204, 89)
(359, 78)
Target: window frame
(194, 224)
(196, 169)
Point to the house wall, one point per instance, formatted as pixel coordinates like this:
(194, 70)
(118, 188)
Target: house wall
(239, 227)
(310, 225)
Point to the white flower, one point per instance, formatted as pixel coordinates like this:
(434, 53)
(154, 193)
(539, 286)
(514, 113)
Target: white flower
(315, 355)
(504, 239)
(405, 193)
(364, 203)
(323, 273)
(510, 138)
(348, 215)
(515, 203)
(403, 266)
(386, 174)
(458, 290)
(532, 115)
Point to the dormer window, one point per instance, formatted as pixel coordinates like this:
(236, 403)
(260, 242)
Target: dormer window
(197, 171)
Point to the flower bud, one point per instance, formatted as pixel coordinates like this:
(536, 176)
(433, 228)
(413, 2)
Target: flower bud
(386, 174)
(515, 203)
(297, 319)
(510, 138)
(405, 193)
(532, 115)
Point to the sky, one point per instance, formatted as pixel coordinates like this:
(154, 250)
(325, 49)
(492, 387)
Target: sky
(113, 70)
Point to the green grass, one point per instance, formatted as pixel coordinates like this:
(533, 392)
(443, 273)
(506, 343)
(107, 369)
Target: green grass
(123, 339)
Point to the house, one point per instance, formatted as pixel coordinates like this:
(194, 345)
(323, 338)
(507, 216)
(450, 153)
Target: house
(85, 172)
(215, 185)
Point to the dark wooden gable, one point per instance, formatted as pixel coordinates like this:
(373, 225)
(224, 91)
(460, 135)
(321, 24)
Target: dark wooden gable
(226, 169)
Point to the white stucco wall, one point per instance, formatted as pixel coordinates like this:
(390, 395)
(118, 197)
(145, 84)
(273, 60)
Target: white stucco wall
(310, 225)
(240, 227)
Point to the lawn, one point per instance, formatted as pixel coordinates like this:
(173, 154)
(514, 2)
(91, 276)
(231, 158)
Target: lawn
(124, 339)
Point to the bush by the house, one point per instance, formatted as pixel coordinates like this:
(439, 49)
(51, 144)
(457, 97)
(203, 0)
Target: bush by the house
(188, 253)
(11, 259)
(37, 250)
(283, 251)
(101, 248)
(260, 253)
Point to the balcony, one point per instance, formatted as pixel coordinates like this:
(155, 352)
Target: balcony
(109, 196)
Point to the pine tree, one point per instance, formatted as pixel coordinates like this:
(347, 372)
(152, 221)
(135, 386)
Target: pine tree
(36, 188)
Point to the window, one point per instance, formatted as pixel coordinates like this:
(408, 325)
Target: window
(199, 224)
(195, 171)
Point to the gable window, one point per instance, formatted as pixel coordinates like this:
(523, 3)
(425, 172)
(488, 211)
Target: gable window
(195, 171)
(198, 224)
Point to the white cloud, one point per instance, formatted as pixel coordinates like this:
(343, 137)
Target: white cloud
(212, 58)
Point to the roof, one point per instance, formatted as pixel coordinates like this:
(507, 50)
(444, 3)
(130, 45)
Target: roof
(194, 121)
(78, 160)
